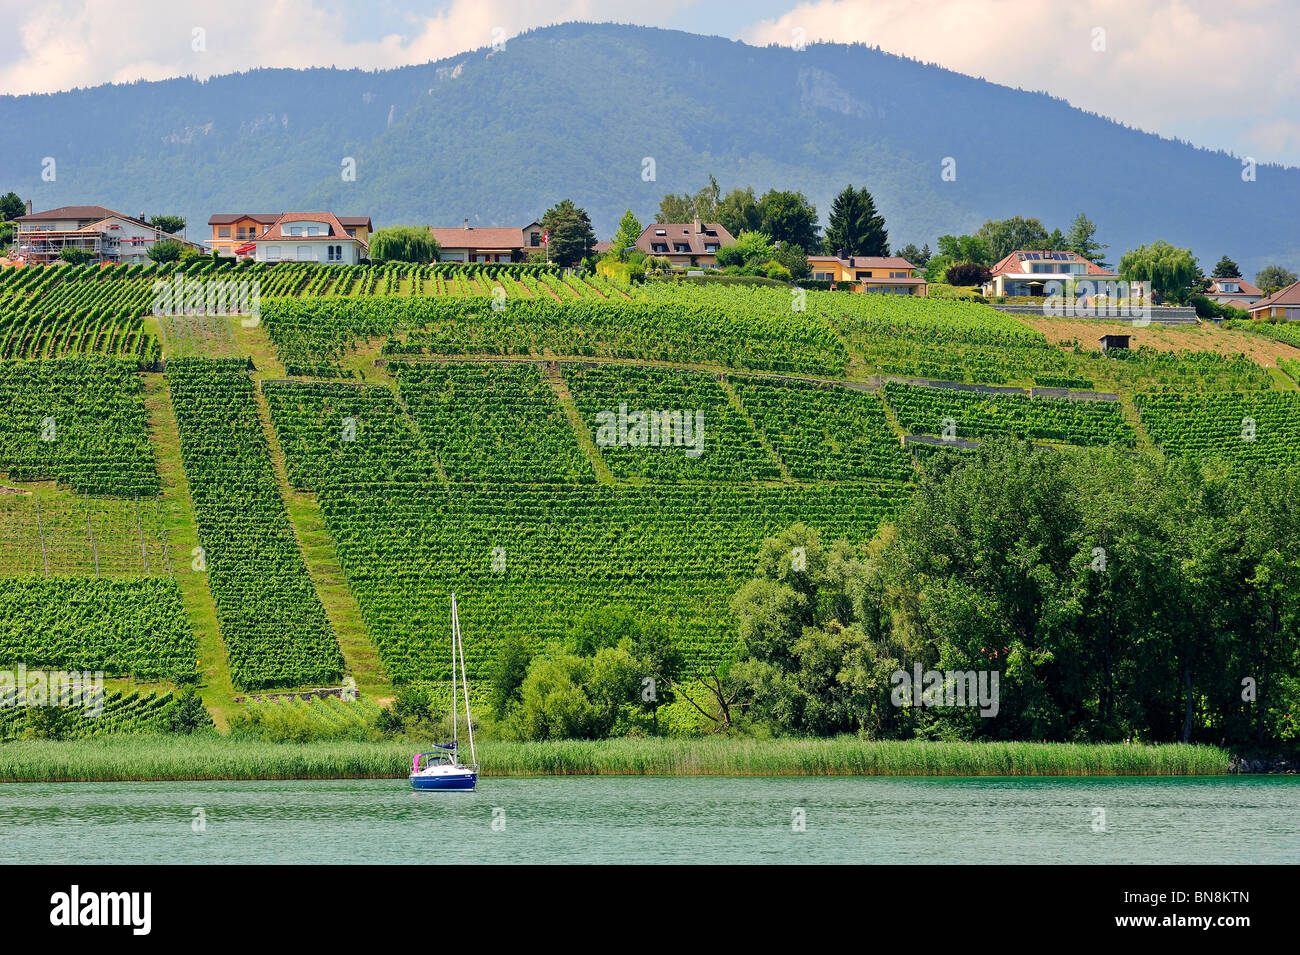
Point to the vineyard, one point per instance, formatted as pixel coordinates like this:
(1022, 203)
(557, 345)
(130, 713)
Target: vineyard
(707, 439)
(80, 422)
(495, 447)
(822, 433)
(1249, 430)
(121, 713)
(271, 619)
(528, 562)
(492, 422)
(133, 627)
(977, 415)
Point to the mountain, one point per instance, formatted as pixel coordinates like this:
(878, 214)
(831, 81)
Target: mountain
(573, 110)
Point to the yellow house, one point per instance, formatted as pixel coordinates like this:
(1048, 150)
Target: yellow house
(1283, 304)
(236, 231)
(889, 275)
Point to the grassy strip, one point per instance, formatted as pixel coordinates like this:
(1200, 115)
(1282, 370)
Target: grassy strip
(213, 757)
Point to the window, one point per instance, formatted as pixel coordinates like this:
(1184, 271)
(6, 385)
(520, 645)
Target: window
(223, 232)
(352, 233)
(295, 230)
(710, 247)
(273, 253)
(304, 253)
(534, 239)
(661, 247)
(334, 253)
(681, 247)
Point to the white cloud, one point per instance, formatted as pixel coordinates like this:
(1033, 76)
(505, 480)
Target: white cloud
(1216, 74)
(61, 44)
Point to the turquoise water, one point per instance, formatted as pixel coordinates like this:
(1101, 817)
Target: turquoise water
(1251, 819)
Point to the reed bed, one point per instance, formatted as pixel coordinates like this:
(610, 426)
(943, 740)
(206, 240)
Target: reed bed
(214, 757)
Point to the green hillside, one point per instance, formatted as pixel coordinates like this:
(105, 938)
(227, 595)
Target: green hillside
(385, 435)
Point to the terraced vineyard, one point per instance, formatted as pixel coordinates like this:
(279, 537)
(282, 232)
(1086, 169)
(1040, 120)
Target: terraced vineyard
(56, 534)
(1249, 430)
(689, 429)
(335, 433)
(492, 422)
(121, 713)
(974, 415)
(528, 562)
(78, 421)
(824, 433)
(313, 335)
(132, 627)
(271, 618)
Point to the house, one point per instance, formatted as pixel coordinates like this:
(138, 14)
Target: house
(1283, 304)
(1233, 291)
(233, 232)
(883, 274)
(687, 245)
(308, 237)
(1028, 272)
(491, 244)
(107, 235)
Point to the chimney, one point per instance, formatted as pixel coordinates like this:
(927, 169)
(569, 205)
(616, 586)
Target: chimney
(467, 223)
(699, 226)
(29, 207)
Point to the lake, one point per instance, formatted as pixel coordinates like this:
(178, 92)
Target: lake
(1205, 820)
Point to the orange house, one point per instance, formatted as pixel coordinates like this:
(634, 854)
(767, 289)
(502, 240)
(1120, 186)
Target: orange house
(232, 230)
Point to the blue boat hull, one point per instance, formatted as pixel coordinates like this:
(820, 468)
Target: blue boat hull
(461, 781)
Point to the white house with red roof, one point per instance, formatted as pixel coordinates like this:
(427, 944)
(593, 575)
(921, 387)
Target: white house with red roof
(309, 237)
(1027, 272)
(1233, 291)
(107, 235)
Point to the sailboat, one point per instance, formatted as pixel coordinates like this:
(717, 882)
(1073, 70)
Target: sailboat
(442, 769)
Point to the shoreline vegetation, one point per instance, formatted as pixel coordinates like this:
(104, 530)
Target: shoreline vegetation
(153, 758)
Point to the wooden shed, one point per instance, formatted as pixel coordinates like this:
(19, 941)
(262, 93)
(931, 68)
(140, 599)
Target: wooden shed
(1114, 341)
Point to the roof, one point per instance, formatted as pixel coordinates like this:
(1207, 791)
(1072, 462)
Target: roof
(1009, 263)
(225, 218)
(476, 238)
(865, 261)
(683, 232)
(357, 222)
(1287, 296)
(1243, 287)
(336, 230)
(88, 214)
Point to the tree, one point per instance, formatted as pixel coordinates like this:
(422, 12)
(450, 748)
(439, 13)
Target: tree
(1226, 269)
(794, 260)
(911, 253)
(11, 206)
(789, 218)
(187, 713)
(750, 250)
(1273, 277)
(629, 230)
(75, 256)
(855, 227)
(172, 225)
(1170, 270)
(738, 211)
(966, 273)
(569, 227)
(686, 207)
(1082, 240)
(404, 243)
(507, 673)
(1004, 236)
(165, 251)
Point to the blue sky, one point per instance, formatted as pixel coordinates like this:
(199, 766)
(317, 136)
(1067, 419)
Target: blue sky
(1218, 75)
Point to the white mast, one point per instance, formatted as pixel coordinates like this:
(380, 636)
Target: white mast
(454, 727)
(464, 683)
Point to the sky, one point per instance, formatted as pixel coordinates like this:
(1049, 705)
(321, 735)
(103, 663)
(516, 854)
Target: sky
(1220, 75)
